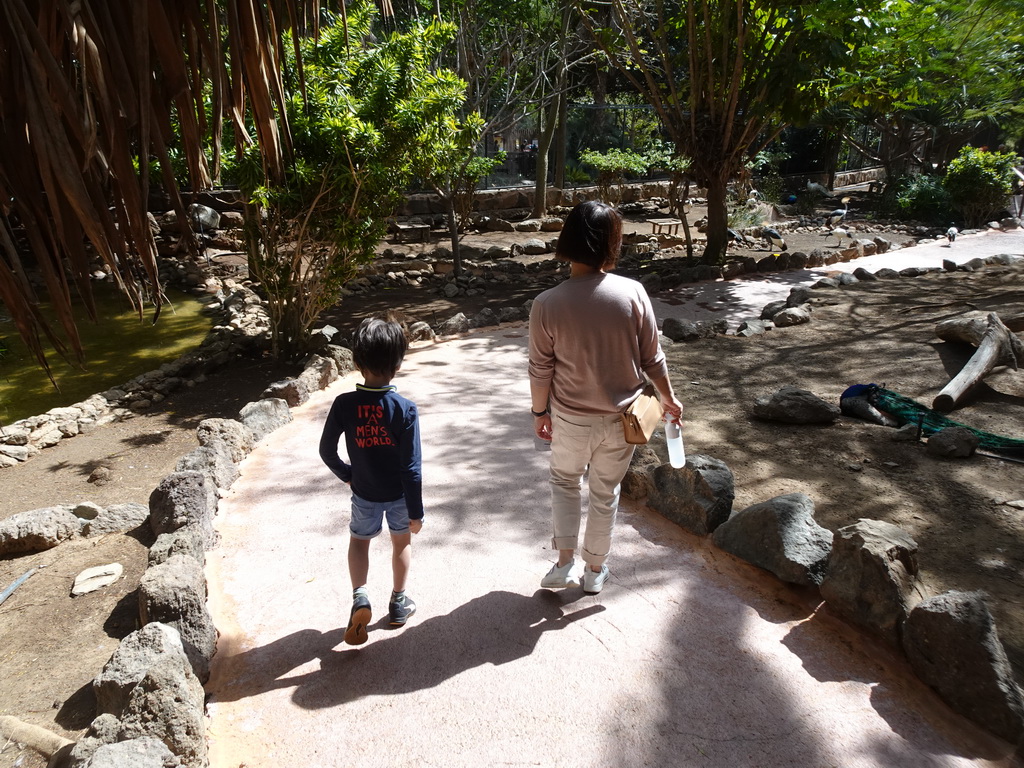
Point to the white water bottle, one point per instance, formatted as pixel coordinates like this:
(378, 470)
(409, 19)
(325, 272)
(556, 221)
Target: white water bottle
(674, 438)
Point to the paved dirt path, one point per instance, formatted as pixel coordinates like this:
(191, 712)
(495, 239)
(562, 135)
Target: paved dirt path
(687, 657)
(743, 298)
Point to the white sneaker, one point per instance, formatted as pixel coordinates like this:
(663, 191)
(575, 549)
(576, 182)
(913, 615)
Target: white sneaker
(593, 581)
(559, 578)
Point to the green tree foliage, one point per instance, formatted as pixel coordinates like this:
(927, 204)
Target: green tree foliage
(356, 132)
(612, 168)
(448, 163)
(936, 73)
(726, 77)
(979, 183)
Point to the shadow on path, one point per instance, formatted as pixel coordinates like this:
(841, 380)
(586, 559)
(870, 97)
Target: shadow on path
(496, 628)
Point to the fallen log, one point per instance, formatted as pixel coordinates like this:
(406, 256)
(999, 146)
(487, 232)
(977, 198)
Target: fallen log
(47, 743)
(997, 345)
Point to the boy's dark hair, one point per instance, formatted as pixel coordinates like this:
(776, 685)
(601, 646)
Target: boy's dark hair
(379, 346)
(592, 235)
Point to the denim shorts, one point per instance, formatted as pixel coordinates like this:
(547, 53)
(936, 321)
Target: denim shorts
(368, 517)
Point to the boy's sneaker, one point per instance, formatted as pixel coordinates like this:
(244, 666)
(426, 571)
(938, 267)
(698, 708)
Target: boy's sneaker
(358, 621)
(559, 577)
(399, 611)
(593, 582)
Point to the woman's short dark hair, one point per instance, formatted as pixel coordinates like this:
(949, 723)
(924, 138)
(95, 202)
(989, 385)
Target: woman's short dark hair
(379, 346)
(592, 235)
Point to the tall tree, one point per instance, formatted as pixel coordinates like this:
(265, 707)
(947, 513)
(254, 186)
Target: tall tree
(726, 77)
(90, 92)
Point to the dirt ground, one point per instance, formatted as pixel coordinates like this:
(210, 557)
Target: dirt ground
(53, 645)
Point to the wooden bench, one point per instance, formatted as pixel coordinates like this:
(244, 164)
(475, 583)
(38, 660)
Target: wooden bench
(666, 226)
(412, 231)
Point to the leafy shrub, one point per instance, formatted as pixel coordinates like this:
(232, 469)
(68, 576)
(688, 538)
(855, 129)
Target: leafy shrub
(979, 183)
(923, 198)
(612, 167)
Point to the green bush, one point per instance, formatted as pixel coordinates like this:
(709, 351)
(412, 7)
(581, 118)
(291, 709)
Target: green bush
(979, 183)
(612, 167)
(923, 198)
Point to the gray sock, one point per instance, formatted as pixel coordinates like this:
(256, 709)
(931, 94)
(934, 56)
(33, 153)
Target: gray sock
(360, 592)
(398, 597)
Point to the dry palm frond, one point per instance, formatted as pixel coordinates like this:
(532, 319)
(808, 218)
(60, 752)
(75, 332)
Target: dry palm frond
(90, 92)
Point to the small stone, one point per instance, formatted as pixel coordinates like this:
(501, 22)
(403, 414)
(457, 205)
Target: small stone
(101, 476)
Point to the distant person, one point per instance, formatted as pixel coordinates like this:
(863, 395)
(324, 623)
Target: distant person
(382, 438)
(592, 340)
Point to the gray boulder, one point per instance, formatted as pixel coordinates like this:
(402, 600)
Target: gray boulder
(37, 530)
(781, 536)
(534, 247)
(638, 482)
(203, 218)
(139, 652)
(798, 296)
(864, 275)
(792, 405)
(952, 644)
(484, 318)
(217, 468)
(871, 578)
(752, 328)
(342, 357)
(174, 593)
(145, 752)
(179, 500)
(454, 325)
(887, 274)
(953, 443)
(772, 308)
(264, 416)
(683, 330)
(168, 706)
(791, 316)
(238, 439)
(184, 541)
(117, 518)
(697, 497)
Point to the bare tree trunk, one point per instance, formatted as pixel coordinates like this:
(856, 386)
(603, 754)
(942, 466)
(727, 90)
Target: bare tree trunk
(453, 232)
(547, 133)
(718, 221)
(560, 140)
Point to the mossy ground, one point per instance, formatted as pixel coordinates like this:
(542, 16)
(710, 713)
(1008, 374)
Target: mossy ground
(117, 348)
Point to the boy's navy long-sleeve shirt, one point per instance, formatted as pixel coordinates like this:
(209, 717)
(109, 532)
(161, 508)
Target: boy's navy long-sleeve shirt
(382, 436)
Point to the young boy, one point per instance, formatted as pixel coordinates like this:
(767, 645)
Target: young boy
(382, 437)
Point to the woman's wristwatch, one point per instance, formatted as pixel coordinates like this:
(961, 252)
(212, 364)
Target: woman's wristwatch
(538, 414)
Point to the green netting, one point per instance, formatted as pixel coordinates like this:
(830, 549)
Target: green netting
(908, 411)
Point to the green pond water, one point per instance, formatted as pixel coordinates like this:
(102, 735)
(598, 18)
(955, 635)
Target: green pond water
(117, 348)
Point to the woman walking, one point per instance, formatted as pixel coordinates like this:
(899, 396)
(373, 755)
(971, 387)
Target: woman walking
(593, 338)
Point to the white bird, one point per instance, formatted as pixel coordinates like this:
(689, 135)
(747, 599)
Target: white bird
(819, 189)
(841, 234)
(773, 237)
(839, 213)
(754, 195)
(951, 234)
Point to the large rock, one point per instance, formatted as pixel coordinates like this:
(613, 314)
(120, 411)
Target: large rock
(37, 530)
(264, 416)
(683, 330)
(168, 706)
(781, 536)
(791, 316)
(638, 482)
(238, 438)
(953, 443)
(181, 499)
(145, 752)
(139, 652)
(294, 391)
(454, 325)
(218, 470)
(174, 593)
(792, 405)
(871, 578)
(117, 518)
(184, 541)
(952, 644)
(698, 497)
